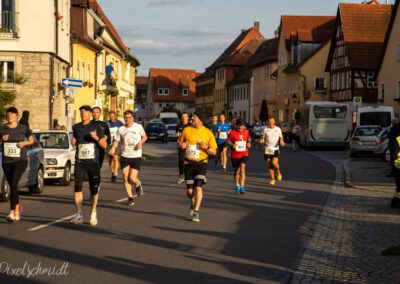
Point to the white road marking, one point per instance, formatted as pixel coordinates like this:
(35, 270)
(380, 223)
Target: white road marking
(51, 223)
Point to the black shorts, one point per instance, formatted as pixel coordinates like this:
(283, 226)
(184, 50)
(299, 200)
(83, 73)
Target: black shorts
(222, 146)
(195, 174)
(133, 163)
(236, 162)
(275, 155)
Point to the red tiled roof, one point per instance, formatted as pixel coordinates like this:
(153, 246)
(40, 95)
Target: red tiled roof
(364, 28)
(307, 28)
(232, 50)
(175, 80)
(141, 82)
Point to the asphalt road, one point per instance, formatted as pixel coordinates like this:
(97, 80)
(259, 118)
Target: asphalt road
(252, 238)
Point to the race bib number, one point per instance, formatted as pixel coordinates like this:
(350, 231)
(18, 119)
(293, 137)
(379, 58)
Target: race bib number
(193, 152)
(223, 135)
(86, 151)
(241, 146)
(270, 151)
(11, 150)
(113, 132)
(130, 145)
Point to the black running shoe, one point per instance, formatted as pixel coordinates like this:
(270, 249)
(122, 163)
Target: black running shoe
(113, 178)
(131, 201)
(394, 202)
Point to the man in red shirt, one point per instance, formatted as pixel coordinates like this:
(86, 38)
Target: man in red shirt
(240, 142)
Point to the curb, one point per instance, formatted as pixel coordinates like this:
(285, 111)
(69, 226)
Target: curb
(348, 180)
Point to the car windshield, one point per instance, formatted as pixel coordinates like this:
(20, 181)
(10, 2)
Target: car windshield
(367, 132)
(153, 126)
(53, 140)
(169, 120)
(375, 118)
(171, 127)
(330, 111)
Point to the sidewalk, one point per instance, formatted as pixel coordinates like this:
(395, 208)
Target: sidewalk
(369, 175)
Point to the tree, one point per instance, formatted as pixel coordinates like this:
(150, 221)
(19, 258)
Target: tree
(264, 111)
(171, 108)
(6, 99)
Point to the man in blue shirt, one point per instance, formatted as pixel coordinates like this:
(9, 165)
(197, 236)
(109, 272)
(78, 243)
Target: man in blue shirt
(109, 70)
(223, 129)
(113, 125)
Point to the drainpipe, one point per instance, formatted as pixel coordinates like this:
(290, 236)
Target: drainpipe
(304, 86)
(51, 91)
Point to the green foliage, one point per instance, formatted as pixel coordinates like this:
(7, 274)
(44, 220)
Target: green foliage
(6, 99)
(20, 79)
(171, 108)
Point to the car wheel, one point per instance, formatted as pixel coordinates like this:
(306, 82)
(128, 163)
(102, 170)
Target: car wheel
(4, 190)
(353, 154)
(66, 179)
(37, 188)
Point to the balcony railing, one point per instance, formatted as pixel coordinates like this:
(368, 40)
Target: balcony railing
(8, 28)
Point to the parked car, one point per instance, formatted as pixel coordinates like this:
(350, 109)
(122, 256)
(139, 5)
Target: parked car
(363, 139)
(286, 128)
(157, 131)
(382, 143)
(172, 131)
(59, 155)
(32, 178)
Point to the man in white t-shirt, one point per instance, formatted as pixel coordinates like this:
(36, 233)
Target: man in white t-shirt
(272, 137)
(132, 137)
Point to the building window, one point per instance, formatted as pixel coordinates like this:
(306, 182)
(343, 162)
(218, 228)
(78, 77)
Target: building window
(128, 72)
(101, 63)
(163, 91)
(370, 77)
(88, 66)
(7, 71)
(185, 92)
(319, 83)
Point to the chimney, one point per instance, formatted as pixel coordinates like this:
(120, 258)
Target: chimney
(257, 26)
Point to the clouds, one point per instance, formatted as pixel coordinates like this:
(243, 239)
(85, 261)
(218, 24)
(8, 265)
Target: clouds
(177, 49)
(164, 3)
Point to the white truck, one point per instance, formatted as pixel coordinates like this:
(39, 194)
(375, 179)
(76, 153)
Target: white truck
(169, 118)
(375, 115)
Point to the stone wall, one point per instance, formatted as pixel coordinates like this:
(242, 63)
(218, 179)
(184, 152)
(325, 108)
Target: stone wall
(34, 94)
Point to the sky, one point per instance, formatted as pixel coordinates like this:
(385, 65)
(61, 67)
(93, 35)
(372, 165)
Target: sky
(191, 34)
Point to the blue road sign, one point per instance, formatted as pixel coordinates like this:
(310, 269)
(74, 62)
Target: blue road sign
(73, 83)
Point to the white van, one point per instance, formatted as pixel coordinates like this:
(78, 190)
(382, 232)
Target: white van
(169, 118)
(376, 115)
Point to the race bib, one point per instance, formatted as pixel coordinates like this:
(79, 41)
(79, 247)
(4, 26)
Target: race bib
(113, 132)
(223, 135)
(130, 145)
(11, 150)
(241, 146)
(193, 152)
(270, 150)
(86, 151)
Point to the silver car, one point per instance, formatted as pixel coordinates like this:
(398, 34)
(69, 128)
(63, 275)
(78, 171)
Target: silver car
(33, 177)
(59, 155)
(171, 128)
(382, 143)
(363, 139)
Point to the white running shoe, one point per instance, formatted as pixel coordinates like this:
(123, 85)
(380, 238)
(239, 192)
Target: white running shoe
(78, 219)
(93, 219)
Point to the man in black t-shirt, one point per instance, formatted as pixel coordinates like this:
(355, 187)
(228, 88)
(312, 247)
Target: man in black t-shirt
(88, 137)
(96, 113)
(181, 153)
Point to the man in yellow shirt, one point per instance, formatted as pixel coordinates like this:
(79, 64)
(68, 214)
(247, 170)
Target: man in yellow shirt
(198, 142)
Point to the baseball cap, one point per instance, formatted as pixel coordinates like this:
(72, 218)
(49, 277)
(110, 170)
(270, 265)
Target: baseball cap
(86, 107)
(240, 122)
(12, 109)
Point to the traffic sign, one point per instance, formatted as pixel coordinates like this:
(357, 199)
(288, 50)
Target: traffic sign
(70, 92)
(357, 101)
(73, 83)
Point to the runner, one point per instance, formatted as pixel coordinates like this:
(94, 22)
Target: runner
(96, 113)
(240, 141)
(132, 137)
(272, 137)
(214, 129)
(199, 143)
(223, 129)
(15, 138)
(114, 124)
(88, 138)
(181, 153)
(296, 136)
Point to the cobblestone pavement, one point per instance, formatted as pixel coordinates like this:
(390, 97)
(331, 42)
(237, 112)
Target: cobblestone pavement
(345, 241)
